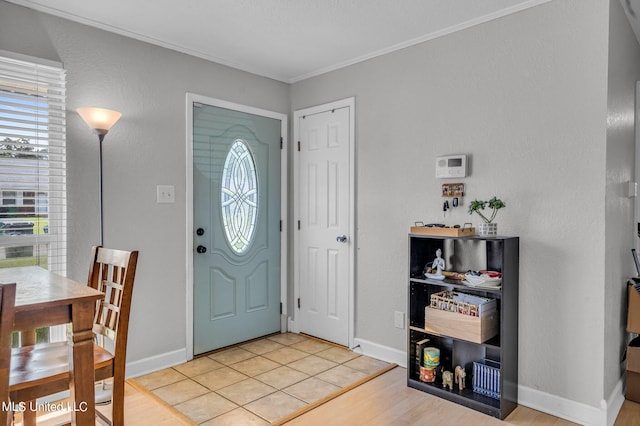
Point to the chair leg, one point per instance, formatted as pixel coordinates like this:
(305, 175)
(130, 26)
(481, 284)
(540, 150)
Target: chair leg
(117, 401)
(29, 414)
(6, 415)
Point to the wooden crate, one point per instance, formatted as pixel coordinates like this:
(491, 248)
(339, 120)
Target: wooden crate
(633, 308)
(444, 232)
(474, 329)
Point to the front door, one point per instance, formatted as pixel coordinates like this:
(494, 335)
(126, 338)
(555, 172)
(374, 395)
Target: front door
(236, 218)
(324, 249)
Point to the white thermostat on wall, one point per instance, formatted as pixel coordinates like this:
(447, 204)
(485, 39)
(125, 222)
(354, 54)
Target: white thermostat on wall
(451, 166)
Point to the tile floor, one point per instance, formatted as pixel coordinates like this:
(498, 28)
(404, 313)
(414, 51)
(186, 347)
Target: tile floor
(258, 382)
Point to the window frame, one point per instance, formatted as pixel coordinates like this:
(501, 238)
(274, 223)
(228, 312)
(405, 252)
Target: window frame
(33, 121)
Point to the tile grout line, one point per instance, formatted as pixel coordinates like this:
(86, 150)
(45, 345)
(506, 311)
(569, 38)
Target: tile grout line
(243, 406)
(256, 350)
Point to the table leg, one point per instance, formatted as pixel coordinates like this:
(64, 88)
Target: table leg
(81, 371)
(28, 337)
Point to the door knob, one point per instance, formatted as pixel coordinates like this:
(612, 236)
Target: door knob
(341, 238)
(201, 249)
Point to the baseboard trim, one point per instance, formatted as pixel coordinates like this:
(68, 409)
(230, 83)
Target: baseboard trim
(615, 401)
(156, 362)
(576, 412)
(604, 415)
(292, 326)
(381, 352)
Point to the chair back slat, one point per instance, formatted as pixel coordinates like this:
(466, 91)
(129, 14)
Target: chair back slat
(7, 306)
(108, 312)
(112, 272)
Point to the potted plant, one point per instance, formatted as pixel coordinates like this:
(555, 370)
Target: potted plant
(488, 228)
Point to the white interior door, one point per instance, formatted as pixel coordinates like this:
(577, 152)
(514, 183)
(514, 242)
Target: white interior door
(325, 245)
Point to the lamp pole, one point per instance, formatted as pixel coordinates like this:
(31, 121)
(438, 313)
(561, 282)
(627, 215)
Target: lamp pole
(100, 120)
(101, 134)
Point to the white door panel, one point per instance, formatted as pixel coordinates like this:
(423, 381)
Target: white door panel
(324, 197)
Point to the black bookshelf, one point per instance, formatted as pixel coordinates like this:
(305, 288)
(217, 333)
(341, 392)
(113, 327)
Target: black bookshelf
(461, 254)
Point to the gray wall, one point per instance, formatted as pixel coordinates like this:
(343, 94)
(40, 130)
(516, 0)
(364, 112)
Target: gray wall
(145, 148)
(624, 72)
(525, 97)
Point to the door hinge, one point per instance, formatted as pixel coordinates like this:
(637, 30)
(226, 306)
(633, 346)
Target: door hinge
(298, 225)
(281, 142)
(298, 146)
(298, 303)
(280, 308)
(281, 226)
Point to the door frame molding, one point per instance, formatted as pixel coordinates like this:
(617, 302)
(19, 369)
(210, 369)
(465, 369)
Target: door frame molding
(190, 99)
(343, 103)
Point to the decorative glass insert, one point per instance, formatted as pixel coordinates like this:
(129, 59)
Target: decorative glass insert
(239, 197)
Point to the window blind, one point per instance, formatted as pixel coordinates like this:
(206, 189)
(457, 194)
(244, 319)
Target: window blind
(33, 207)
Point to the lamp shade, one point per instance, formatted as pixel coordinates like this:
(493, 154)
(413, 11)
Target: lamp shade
(99, 119)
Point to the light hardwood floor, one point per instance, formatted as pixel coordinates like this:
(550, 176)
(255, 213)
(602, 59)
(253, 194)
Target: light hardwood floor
(386, 400)
(141, 407)
(383, 401)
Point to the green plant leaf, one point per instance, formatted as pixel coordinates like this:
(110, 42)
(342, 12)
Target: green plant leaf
(494, 204)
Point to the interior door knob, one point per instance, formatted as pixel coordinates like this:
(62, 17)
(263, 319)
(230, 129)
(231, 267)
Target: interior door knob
(341, 238)
(201, 249)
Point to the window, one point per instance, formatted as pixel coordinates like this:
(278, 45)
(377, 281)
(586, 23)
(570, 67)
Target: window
(29, 198)
(239, 197)
(8, 198)
(32, 165)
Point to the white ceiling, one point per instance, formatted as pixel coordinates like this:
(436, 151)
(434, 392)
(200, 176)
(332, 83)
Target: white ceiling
(287, 40)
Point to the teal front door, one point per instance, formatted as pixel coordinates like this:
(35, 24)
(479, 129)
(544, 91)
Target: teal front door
(236, 205)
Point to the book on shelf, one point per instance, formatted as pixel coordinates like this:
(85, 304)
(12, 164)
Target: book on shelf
(486, 378)
(420, 345)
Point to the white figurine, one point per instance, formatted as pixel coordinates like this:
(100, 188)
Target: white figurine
(438, 265)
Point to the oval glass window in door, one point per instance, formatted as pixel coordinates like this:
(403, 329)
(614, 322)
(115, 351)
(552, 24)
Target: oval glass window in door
(239, 197)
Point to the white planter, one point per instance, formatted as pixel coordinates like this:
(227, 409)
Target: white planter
(487, 230)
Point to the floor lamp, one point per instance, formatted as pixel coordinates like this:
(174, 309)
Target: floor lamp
(100, 120)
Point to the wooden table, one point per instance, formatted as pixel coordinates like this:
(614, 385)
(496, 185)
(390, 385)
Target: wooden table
(44, 299)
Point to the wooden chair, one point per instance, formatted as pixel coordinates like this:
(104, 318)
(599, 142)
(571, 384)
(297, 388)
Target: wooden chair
(7, 304)
(43, 369)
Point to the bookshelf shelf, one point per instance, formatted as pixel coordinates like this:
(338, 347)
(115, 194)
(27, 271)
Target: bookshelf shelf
(462, 254)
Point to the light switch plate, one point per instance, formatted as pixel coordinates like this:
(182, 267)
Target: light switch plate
(166, 194)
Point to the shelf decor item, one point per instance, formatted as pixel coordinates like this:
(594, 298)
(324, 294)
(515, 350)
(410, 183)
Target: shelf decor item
(486, 378)
(463, 316)
(427, 374)
(460, 375)
(487, 228)
(431, 357)
(430, 362)
(465, 230)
